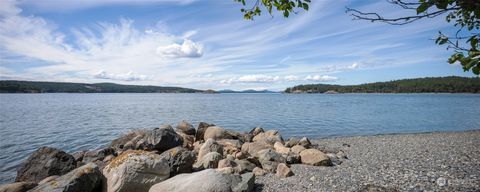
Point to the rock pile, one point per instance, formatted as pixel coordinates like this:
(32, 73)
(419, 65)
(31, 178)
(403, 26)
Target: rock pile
(209, 158)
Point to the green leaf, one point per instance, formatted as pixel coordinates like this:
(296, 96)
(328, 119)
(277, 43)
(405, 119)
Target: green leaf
(422, 8)
(305, 6)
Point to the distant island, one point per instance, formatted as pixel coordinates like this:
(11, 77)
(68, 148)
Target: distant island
(8, 86)
(451, 84)
(246, 91)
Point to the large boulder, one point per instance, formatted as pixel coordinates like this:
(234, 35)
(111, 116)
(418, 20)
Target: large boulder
(17, 187)
(270, 137)
(85, 178)
(97, 155)
(210, 160)
(180, 160)
(297, 149)
(254, 148)
(202, 127)
(44, 162)
(314, 157)
(218, 133)
(188, 140)
(230, 146)
(243, 166)
(280, 148)
(206, 180)
(160, 139)
(135, 171)
(210, 145)
(186, 128)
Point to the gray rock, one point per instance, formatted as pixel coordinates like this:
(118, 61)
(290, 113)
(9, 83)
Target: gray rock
(206, 180)
(160, 139)
(269, 137)
(210, 160)
(17, 187)
(210, 145)
(291, 142)
(163, 139)
(186, 128)
(202, 127)
(270, 155)
(243, 166)
(269, 166)
(292, 158)
(85, 178)
(135, 171)
(253, 148)
(97, 155)
(180, 160)
(44, 162)
(305, 142)
(255, 131)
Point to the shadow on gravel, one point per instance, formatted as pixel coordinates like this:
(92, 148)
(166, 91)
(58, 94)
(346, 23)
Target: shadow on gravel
(374, 188)
(258, 187)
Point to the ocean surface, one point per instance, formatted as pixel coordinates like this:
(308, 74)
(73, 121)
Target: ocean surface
(74, 122)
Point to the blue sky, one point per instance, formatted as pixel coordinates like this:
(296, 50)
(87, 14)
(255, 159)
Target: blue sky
(207, 44)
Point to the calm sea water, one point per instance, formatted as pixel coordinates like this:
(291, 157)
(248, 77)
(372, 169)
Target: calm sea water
(74, 122)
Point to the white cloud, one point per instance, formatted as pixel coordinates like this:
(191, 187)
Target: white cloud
(130, 76)
(291, 78)
(258, 78)
(321, 78)
(187, 49)
(353, 66)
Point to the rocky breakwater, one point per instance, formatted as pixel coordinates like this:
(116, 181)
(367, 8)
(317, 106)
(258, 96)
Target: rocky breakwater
(208, 158)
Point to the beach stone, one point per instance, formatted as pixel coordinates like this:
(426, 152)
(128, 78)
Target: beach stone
(283, 170)
(217, 133)
(210, 145)
(258, 171)
(85, 178)
(186, 128)
(291, 142)
(255, 131)
(230, 146)
(226, 163)
(163, 139)
(202, 127)
(210, 160)
(305, 142)
(334, 159)
(17, 187)
(180, 160)
(269, 166)
(246, 184)
(269, 137)
(270, 155)
(206, 180)
(197, 145)
(44, 162)
(48, 179)
(240, 155)
(226, 170)
(135, 171)
(441, 181)
(292, 158)
(297, 149)
(314, 157)
(280, 148)
(97, 155)
(254, 148)
(243, 166)
(188, 140)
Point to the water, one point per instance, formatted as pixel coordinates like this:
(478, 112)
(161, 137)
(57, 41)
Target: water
(74, 122)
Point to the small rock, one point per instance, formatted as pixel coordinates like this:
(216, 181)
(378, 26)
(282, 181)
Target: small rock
(305, 142)
(44, 162)
(297, 149)
(269, 166)
(313, 178)
(259, 171)
(210, 145)
(17, 187)
(269, 137)
(243, 166)
(314, 157)
(226, 163)
(202, 127)
(186, 128)
(441, 181)
(283, 170)
(240, 155)
(210, 160)
(280, 148)
(255, 131)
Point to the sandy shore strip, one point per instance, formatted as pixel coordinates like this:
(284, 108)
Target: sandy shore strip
(444, 161)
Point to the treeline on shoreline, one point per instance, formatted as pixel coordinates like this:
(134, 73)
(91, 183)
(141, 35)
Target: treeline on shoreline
(451, 84)
(9, 86)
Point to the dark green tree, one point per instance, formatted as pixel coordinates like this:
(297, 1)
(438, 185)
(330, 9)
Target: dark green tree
(464, 14)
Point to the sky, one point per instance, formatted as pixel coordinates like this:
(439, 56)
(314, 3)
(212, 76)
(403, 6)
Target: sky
(206, 44)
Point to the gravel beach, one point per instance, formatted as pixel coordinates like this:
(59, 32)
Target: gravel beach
(446, 161)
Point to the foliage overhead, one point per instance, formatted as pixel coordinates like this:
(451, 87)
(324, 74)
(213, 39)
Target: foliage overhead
(465, 15)
(284, 6)
(56, 87)
(419, 85)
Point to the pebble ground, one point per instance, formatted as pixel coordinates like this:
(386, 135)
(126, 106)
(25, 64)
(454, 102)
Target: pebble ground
(446, 161)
